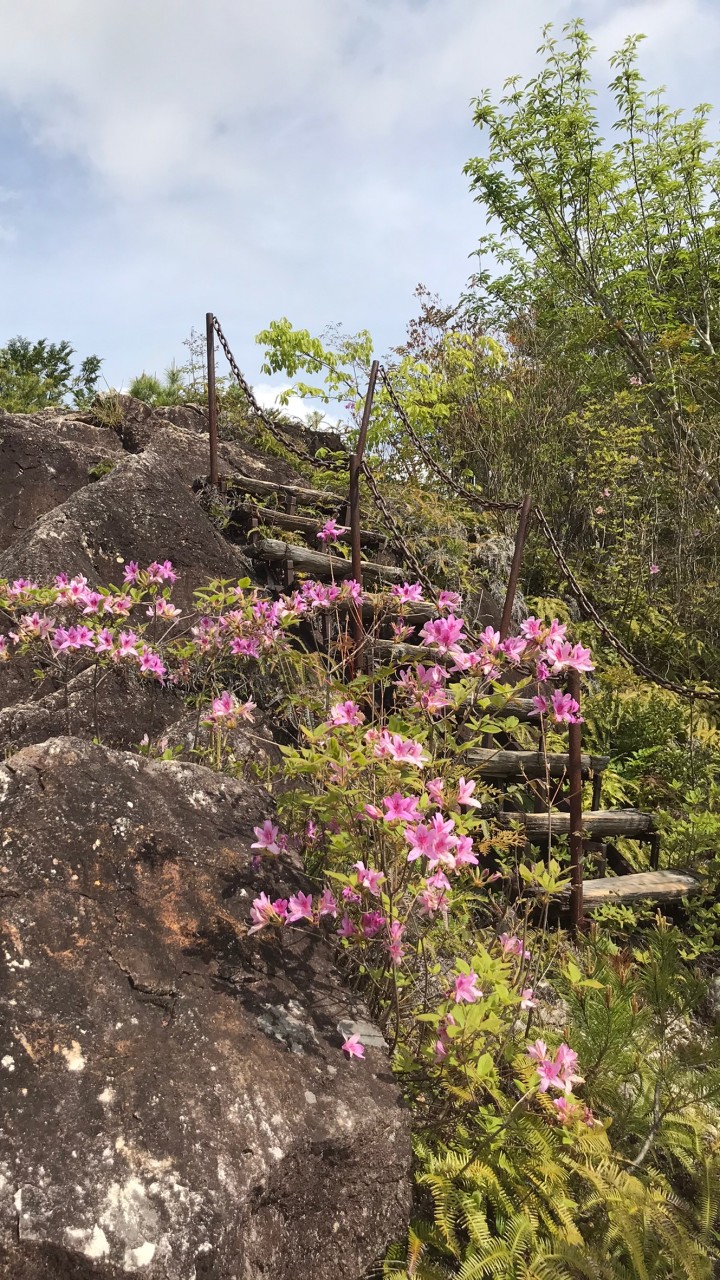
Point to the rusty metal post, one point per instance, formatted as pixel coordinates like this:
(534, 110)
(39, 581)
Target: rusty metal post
(212, 397)
(576, 812)
(520, 539)
(354, 504)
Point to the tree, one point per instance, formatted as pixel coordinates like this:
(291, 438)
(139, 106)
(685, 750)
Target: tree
(601, 281)
(39, 375)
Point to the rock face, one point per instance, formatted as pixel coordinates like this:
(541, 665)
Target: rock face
(175, 1102)
(119, 710)
(141, 511)
(44, 458)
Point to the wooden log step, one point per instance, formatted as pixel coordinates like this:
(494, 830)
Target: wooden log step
(262, 488)
(304, 560)
(597, 823)
(530, 764)
(660, 886)
(303, 524)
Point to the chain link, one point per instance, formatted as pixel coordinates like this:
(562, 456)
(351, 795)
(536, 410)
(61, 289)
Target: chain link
(485, 503)
(264, 417)
(397, 538)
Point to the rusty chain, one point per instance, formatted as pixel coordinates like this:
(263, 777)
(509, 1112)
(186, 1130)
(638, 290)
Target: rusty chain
(396, 533)
(264, 417)
(482, 503)
(460, 490)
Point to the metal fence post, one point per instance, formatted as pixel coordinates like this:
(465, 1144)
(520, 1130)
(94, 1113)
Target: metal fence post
(212, 397)
(354, 503)
(576, 812)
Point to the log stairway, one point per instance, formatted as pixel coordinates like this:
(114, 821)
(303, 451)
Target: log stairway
(257, 507)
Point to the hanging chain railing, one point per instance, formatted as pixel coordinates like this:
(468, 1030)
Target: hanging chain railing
(397, 537)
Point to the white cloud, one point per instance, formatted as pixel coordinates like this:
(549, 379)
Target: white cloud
(269, 396)
(298, 157)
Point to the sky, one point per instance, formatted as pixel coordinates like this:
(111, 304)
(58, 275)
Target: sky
(300, 158)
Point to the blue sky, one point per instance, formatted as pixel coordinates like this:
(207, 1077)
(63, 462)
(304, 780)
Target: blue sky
(295, 157)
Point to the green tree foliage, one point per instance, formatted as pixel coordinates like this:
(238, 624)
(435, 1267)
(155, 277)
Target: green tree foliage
(601, 281)
(39, 375)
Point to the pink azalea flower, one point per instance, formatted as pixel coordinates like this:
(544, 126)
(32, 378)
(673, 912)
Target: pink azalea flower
(300, 907)
(162, 608)
(127, 644)
(104, 641)
(120, 606)
(421, 840)
(532, 629)
(372, 922)
(408, 593)
(538, 1051)
(224, 705)
(368, 878)
(654, 568)
(403, 750)
(465, 794)
(513, 648)
(401, 632)
(466, 988)
(434, 789)
(513, 946)
(151, 664)
(350, 895)
(132, 569)
(330, 531)
(245, 647)
(328, 905)
(401, 808)
(159, 573)
(566, 1061)
(354, 1047)
(351, 590)
(444, 632)
(527, 999)
(264, 912)
(267, 837)
(449, 600)
(373, 812)
(540, 705)
(347, 928)
(565, 1108)
(565, 709)
(464, 856)
(562, 656)
(346, 713)
(396, 951)
(556, 631)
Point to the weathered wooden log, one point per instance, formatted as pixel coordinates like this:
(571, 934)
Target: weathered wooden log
(529, 764)
(660, 886)
(599, 824)
(273, 550)
(261, 488)
(303, 524)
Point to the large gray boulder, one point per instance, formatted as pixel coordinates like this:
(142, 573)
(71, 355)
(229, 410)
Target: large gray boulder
(175, 1102)
(141, 511)
(44, 458)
